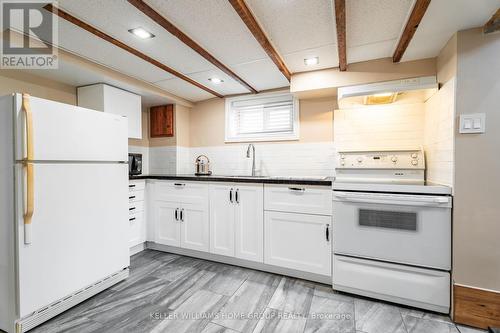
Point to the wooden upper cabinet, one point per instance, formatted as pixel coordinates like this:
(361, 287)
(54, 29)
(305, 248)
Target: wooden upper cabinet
(161, 122)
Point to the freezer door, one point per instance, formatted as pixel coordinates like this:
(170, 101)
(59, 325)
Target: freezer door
(79, 229)
(63, 132)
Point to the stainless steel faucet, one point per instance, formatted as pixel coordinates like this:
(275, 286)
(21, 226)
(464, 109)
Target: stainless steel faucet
(253, 157)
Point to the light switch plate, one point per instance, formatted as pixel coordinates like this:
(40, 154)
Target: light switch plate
(472, 123)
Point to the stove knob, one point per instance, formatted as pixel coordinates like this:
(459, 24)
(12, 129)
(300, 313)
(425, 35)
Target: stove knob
(360, 159)
(342, 163)
(414, 155)
(414, 162)
(394, 159)
(342, 156)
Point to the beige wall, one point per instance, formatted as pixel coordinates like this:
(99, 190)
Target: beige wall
(447, 61)
(476, 216)
(18, 81)
(326, 82)
(207, 121)
(182, 125)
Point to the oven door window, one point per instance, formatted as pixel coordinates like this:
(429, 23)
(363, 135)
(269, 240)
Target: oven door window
(388, 219)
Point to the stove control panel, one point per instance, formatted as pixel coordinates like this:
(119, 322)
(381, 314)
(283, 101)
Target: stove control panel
(400, 159)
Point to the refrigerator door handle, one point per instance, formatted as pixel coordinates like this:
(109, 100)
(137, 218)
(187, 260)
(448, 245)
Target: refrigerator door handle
(29, 126)
(30, 191)
(30, 202)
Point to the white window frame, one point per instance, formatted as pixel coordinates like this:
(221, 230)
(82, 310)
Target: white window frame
(294, 135)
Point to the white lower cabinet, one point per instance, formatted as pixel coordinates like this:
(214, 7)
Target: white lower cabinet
(194, 227)
(168, 229)
(230, 219)
(180, 215)
(222, 214)
(136, 219)
(298, 241)
(236, 220)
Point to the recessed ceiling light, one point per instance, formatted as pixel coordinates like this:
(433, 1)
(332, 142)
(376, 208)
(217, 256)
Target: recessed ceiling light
(385, 94)
(311, 61)
(215, 80)
(141, 33)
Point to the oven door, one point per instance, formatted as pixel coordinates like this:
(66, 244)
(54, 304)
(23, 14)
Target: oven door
(402, 228)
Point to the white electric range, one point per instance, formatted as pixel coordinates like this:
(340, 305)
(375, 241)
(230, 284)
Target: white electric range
(391, 230)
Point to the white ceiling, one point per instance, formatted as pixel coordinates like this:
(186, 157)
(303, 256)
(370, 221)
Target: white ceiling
(298, 29)
(74, 74)
(442, 19)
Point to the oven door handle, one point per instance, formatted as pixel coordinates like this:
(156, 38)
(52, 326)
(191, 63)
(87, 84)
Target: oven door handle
(393, 199)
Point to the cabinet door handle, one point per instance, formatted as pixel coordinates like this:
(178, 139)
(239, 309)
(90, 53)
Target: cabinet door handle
(182, 214)
(132, 197)
(327, 233)
(301, 189)
(131, 208)
(176, 214)
(231, 195)
(179, 184)
(237, 195)
(131, 219)
(131, 186)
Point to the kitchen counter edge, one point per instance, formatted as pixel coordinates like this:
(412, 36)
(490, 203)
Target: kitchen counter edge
(257, 180)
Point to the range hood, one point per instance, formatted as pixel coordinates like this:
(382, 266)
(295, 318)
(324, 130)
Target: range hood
(404, 91)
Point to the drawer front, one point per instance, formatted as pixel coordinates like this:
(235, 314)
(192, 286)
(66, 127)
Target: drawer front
(136, 229)
(424, 288)
(136, 185)
(136, 207)
(135, 196)
(298, 199)
(182, 192)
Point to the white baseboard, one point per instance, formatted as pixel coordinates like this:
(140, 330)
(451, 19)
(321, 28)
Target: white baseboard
(327, 279)
(138, 248)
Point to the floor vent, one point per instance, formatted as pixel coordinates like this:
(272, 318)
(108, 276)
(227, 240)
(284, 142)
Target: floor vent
(42, 315)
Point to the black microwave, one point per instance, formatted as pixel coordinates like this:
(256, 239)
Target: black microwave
(134, 164)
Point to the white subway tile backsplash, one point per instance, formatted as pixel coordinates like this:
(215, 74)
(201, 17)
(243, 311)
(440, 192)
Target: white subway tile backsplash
(379, 127)
(439, 132)
(163, 160)
(281, 159)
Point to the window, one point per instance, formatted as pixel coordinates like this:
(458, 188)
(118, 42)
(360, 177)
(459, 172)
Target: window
(270, 117)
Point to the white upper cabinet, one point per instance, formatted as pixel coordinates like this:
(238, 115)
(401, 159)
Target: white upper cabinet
(103, 97)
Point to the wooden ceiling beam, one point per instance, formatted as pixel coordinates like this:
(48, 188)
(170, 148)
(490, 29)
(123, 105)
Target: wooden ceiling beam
(70, 18)
(247, 17)
(493, 24)
(341, 38)
(171, 28)
(414, 20)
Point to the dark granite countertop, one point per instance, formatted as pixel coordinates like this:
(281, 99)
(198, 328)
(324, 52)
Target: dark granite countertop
(322, 181)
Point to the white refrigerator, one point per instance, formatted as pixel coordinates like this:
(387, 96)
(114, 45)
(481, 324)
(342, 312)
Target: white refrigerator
(63, 207)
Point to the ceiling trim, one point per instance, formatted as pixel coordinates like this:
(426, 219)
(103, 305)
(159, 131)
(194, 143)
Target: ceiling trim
(70, 18)
(340, 18)
(411, 27)
(247, 17)
(493, 24)
(171, 28)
